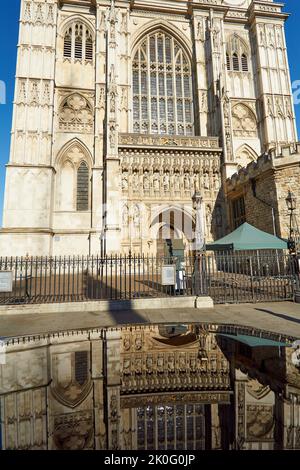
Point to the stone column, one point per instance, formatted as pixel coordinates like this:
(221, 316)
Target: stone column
(112, 190)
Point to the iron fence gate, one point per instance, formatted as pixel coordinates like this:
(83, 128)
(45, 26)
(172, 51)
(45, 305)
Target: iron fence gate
(226, 277)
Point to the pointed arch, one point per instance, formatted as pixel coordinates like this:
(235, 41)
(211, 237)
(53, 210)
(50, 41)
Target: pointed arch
(73, 168)
(78, 37)
(168, 28)
(244, 155)
(237, 54)
(68, 22)
(162, 85)
(69, 146)
(244, 121)
(76, 113)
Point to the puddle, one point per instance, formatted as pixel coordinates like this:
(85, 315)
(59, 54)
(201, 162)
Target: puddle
(151, 387)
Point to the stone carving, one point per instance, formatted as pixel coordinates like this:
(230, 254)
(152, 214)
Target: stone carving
(176, 182)
(257, 390)
(204, 102)
(124, 99)
(206, 181)
(27, 11)
(166, 182)
(113, 93)
(214, 29)
(112, 134)
(124, 24)
(136, 221)
(227, 124)
(70, 390)
(125, 216)
(200, 32)
(161, 366)
(151, 140)
(124, 181)
(156, 181)
(243, 121)
(146, 182)
(241, 409)
(113, 19)
(102, 25)
(135, 181)
(76, 114)
(186, 182)
(260, 422)
(73, 431)
(102, 97)
(39, 13)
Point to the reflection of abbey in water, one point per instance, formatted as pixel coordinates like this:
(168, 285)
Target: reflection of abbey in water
(149, 387)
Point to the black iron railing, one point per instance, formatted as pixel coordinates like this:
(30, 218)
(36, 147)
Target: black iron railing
(70, 279)
(226, 277)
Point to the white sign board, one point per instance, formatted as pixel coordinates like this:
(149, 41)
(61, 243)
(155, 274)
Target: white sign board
(6, 281)
(168, 275)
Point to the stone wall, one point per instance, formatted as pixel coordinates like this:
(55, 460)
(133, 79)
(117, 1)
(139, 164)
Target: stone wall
(270, 178)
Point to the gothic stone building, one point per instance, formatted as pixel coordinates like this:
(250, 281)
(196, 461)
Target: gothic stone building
(123, 109)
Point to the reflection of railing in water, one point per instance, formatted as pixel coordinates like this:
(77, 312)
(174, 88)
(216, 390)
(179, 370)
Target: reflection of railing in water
(226, 277)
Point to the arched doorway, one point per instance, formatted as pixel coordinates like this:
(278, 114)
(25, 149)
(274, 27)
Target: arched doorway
(172, 232)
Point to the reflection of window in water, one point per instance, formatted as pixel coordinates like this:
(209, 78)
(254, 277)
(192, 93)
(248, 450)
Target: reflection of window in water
(164, 427)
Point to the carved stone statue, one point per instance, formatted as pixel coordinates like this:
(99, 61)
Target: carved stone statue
(156, 182)
(166, 182)
(206, 181)
(186, 182)
(135, 181)
(125, 181)
(177, 182)
(146, 182)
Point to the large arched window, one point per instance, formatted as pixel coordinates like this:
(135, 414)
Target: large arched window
(78, 43)
(162, 87)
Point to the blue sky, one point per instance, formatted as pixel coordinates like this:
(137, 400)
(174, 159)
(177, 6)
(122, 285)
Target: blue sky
(8, 50)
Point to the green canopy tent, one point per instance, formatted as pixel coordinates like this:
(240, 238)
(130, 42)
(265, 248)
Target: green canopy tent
(246, 237)
(254, 341)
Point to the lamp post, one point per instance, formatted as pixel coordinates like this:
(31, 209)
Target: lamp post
(199, 241)
(293, 241)
(199, 222)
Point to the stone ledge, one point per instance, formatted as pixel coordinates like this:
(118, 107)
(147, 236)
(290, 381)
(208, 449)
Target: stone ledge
(110, 305)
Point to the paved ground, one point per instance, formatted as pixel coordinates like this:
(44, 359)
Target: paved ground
(281, 317)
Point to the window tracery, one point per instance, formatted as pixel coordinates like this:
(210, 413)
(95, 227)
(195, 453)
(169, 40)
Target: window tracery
(76, 114)
(237, 55)
(73, 180)
(78, 43)
(162, 87)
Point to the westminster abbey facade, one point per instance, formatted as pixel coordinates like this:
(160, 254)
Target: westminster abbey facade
(125, 109)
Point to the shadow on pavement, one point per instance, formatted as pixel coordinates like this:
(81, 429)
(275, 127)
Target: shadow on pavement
(279, 315)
